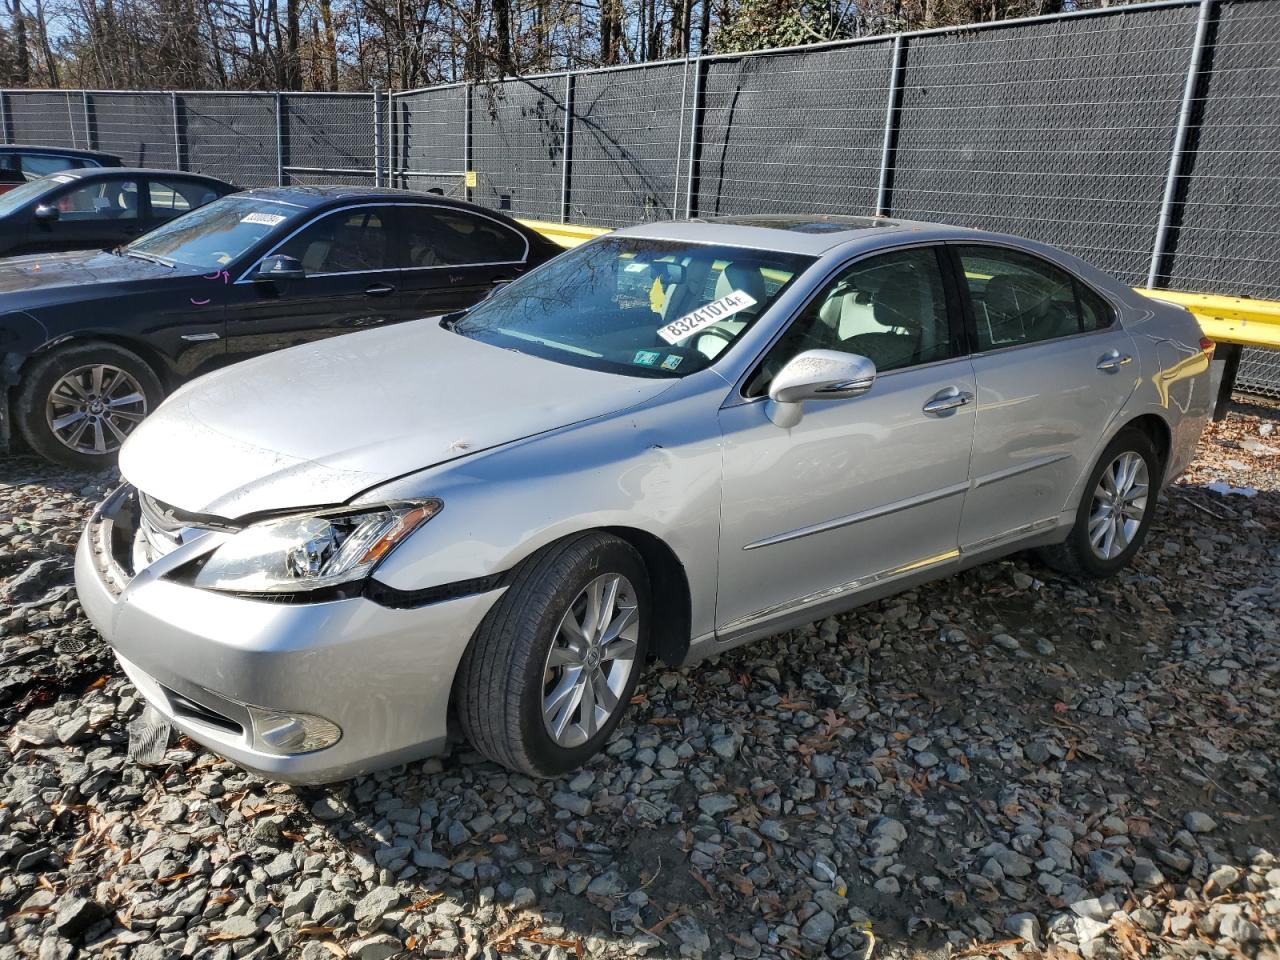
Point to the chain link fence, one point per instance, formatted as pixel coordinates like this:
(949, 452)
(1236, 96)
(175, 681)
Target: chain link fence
(1144, 138)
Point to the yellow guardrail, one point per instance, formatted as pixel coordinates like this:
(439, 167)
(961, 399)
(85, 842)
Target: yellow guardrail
(1239, 320)
(565, 234)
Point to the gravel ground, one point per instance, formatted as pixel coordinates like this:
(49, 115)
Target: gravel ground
(1004, 762)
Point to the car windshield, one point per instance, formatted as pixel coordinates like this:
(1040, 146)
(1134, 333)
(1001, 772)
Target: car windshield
(639, 307)
(24, 193)
(216, 234)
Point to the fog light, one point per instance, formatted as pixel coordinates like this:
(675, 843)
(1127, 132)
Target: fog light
(275, 731)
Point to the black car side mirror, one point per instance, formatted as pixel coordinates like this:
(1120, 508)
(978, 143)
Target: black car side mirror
(279, 267)
(46, 212)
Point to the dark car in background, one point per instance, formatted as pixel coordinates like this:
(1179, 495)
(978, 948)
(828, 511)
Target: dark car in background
(90, 343)
(98, 207)
(19, 163)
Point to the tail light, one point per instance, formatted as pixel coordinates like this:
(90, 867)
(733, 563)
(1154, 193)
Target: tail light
(1206, 346)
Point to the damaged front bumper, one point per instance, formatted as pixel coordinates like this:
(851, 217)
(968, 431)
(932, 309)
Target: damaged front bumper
(295, 691)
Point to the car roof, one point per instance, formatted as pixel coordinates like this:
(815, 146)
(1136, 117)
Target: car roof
(7, 148)
(809, 234)
(80, 173)
(317, 196)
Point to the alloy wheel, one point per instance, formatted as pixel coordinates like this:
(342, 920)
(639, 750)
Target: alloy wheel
(590, 661)
(93, 408)
(1119, 504)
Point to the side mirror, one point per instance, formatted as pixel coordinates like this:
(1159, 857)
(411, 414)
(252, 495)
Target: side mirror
(279, 267)
(47, 212)
(817, 375)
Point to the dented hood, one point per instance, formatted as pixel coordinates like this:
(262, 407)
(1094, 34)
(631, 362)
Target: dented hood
(317, 424)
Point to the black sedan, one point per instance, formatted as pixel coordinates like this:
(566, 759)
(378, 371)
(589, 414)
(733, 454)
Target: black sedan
(90, 343)
(98, 208)
(20, 162)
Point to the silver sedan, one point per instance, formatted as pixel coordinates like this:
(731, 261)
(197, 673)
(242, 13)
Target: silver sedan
(665, 443)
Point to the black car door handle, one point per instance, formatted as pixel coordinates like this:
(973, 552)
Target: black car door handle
(379, 289)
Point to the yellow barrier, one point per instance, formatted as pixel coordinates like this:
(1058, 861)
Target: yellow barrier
(1250, 323)
(566, 234)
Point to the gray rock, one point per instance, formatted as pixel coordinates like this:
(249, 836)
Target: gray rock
(380, 946)
(1006, 642)
(1025, 926)
(572, 802)
(75, 915)
(1224, 878)
(1235, 926)
(774, 830)
(608, 884)
(239, 927)
(1198, 822)
(328, 808)
(715, 804)
(819, 928)
(377, 902)
(690, 932)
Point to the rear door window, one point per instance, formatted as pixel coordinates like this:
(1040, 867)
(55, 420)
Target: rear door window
(1018, 298)
(173, 197)
(438, 236)
(36, 165)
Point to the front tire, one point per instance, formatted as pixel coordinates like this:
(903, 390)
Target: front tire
(1115, 511)
(77, 405)
(552, 667)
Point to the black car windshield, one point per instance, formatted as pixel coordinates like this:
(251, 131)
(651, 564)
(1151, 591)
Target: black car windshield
(639, 307)
(24, 193)
(216, 234)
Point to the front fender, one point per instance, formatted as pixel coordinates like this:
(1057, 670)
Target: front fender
(21, 337)
(656, 470)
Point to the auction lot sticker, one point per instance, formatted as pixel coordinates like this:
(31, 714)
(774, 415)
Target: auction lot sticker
(705, 316)
(266, 219)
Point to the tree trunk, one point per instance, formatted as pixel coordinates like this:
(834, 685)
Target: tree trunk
(502, 25)
(21, 57)
(330, 43)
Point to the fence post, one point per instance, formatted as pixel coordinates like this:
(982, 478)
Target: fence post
(177, 132)
(377, 135)
(1176, 165)
(695, 139)
(893, 110)
(466, 142)
(71, 122)
(566, 149)
(279, 142)
(392, 141)
(88, 127)
(4, 116)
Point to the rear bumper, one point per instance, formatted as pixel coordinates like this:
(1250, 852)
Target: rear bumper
(382, 675)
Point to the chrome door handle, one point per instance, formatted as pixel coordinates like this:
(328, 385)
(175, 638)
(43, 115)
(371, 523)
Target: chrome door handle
(379, 290)
(943, 402)
(1113, 361)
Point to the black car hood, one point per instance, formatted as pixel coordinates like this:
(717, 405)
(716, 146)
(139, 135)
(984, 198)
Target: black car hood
(46, 271)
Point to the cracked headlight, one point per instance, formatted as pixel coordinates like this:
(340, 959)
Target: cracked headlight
(311, 551)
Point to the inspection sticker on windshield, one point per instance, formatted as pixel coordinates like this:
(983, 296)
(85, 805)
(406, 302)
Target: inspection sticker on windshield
(705, 316)
(266, 219)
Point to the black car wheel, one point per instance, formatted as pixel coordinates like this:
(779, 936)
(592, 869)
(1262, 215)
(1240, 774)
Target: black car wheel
(551, 669)
(77, 405)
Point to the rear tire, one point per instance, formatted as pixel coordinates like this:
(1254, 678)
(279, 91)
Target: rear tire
(77, 405)
(1115, 510)
(546, 642)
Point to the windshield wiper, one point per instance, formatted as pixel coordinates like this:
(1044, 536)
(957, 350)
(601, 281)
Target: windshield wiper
(450, 320)
(150, 258)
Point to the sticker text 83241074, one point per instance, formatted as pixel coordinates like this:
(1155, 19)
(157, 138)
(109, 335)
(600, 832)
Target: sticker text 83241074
(705, 316)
